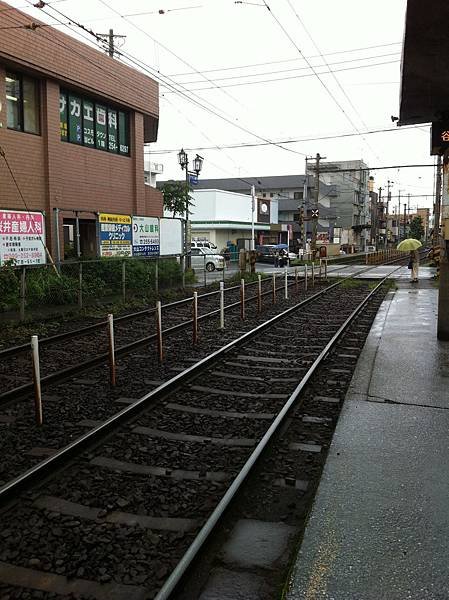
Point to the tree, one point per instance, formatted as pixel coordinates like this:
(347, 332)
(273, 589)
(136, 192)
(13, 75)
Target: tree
(176, 197)
(416, 228)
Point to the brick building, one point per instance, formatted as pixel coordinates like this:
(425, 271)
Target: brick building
(73, 122)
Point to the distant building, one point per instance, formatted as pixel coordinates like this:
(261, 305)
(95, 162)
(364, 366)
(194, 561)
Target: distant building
(344, 204)
(351, 201)
(225, 218)
(288, 192)
(151, 171)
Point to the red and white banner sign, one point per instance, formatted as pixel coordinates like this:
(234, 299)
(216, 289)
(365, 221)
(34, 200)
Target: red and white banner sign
(22, 237)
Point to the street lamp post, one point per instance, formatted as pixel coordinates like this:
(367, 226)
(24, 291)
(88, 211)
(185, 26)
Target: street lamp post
(183, 160)
(253, 208)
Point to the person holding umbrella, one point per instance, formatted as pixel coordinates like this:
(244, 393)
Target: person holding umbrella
(411, 245)
(413, 264)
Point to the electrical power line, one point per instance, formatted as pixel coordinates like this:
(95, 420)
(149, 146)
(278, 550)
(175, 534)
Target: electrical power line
(13, 177)
(198, 89)
(374, 168)
(96, 36)
(32, 26)
(317, 75)
(195, 126)
(290, 141)
(158, 76)
(154, 40)
(341, 62)
(354, 108)
(285, 60)
(7, 8)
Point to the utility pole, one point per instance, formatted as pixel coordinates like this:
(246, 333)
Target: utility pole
(305, 197)
(443, 296)
(315, 204)
(109, 38)
(388, 208)
(437, 206)
(405, 217)
(253, 208)
(379, 206)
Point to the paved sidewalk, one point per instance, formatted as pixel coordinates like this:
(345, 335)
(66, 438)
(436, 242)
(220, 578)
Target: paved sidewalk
(379, 528)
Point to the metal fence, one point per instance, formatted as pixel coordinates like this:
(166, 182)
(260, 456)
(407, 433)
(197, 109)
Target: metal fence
(37, 291)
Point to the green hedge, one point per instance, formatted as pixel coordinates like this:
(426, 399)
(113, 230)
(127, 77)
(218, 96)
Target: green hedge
(101, 279)
(9, 287)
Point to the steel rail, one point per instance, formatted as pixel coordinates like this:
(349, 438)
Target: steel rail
(192, 552)
(13, 350)
(19, 349)
(63, 374)
(46, 467)
(85, 330)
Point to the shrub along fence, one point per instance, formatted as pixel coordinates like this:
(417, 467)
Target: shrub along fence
(43, 289)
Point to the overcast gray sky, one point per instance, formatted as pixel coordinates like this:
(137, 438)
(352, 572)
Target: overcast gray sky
(241, 78)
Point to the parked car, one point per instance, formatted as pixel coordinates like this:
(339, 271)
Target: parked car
(205, 258)
(266, 253)
(204, 244)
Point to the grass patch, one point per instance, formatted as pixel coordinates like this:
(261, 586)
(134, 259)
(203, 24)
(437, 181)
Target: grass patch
(248, 277)
(353, 283)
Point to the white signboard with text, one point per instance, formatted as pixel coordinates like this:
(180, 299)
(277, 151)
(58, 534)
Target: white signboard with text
(145, 236)
(171, 242)
(22, 237)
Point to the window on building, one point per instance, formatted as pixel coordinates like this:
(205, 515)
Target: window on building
(264, 195)
(297, 195)
(271, 195)
(95, 125)
(22, 103)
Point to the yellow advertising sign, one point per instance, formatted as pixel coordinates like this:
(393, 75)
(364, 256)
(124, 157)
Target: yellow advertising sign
(108, 218)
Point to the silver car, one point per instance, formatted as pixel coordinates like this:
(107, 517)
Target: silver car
(203, 258)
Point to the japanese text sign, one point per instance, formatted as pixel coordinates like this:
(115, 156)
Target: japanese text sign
(115, 234)
(145, 236)
(439, 138)
(22, 237)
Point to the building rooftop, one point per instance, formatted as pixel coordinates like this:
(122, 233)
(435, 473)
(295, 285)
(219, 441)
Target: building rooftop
(262, 183)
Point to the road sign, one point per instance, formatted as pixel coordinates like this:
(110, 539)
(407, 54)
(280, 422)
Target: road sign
(315, 213)
(193, 179)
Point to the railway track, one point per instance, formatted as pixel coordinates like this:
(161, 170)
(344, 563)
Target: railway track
(72, 352)
(70, 407)
(137, 495)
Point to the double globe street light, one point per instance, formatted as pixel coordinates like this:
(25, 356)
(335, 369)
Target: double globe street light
(183, 160)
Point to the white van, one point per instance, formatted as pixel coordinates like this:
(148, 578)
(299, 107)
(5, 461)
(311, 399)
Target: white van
(204, 244)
